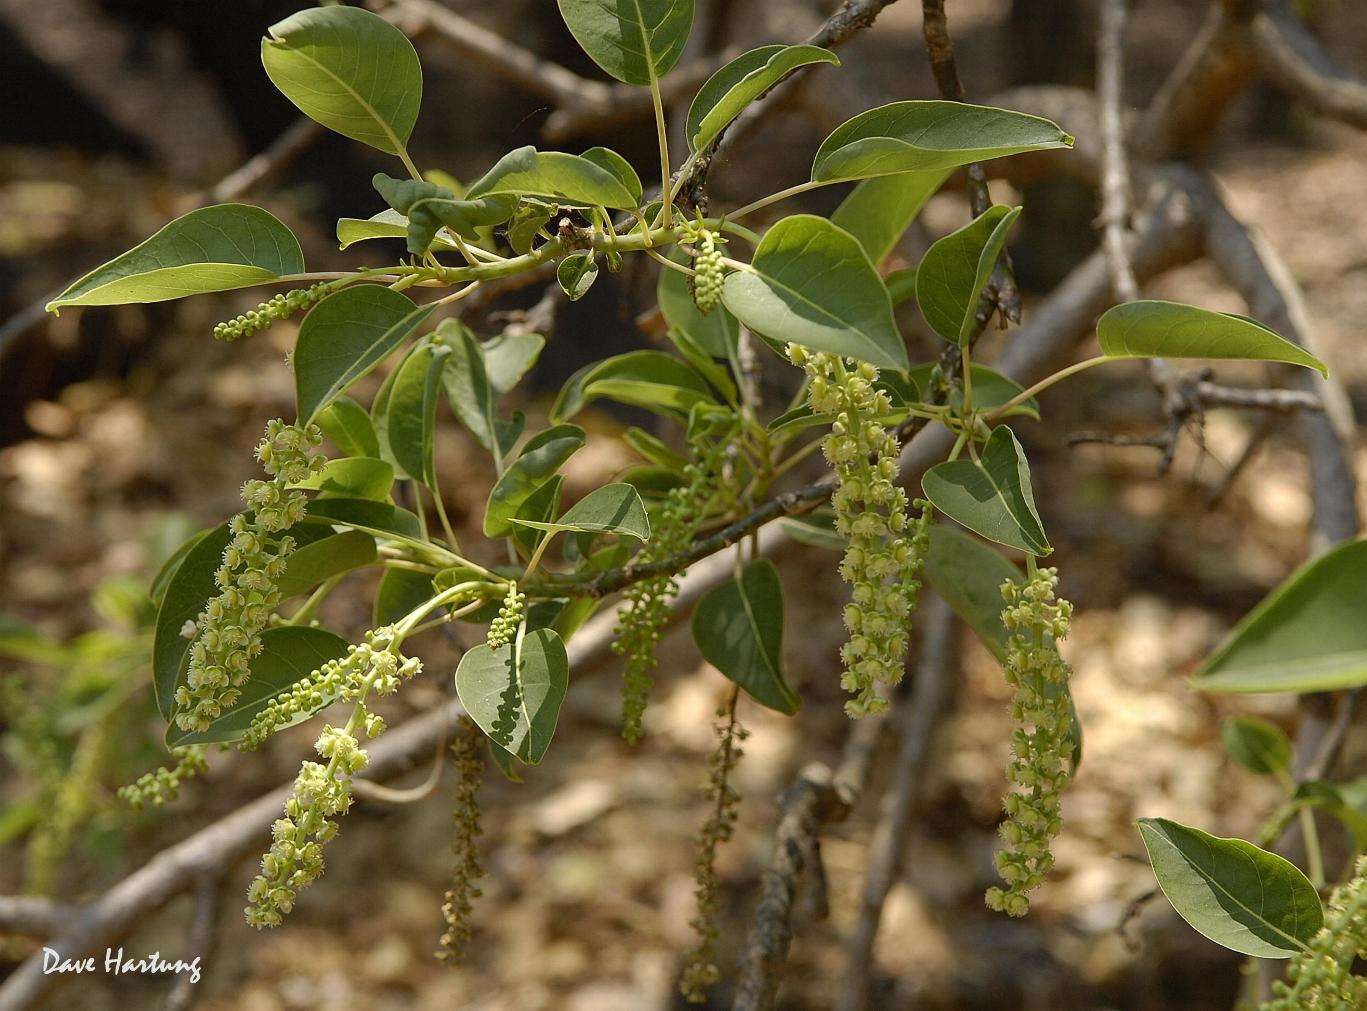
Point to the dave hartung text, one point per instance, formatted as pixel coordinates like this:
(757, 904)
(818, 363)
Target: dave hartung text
(116, 964)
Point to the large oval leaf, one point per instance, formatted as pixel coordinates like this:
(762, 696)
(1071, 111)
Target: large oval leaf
(412, 412)
(1153, 329)
(514, 693)
(344, 337)
(878, 211)
(287, 656)
(1239, 896)
(636, 41)
(212, 249)
(740, 82)
(540, 459)
(186, 594)
(955, 269)
(611, 509)
(738, 627)
(1308, 635)
(350, 70)
(348, 425)
(993, 497)
(649, 379)
(569, 178)
(311, 564)
(929, 137)
(812, 283)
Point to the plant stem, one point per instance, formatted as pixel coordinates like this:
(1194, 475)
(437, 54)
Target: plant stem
(305, 613)
(1047, 382)
(662, 135)
(774, 198)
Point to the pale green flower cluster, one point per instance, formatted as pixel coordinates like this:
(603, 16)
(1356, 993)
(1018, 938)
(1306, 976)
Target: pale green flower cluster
(710, 271)
(1321, 978)
(458, 903)
(1042, 745)
(321, 794)
(228, 630)
(370, 666)
(265, 314)
(886, 548)
(504, 626)
(645, 608)
(163, 786)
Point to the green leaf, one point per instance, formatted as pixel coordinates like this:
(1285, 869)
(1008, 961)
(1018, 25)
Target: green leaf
(553, 175)
(428, 207)
(468, 389)
(717, 333)
(1241, 897)
(653, 449)
(540, 458)
(352, 477)
(878, 211)
(348, 425)
(1307, 635)
(350, 70)
(611, 509)
(968, 575)
(738, 627)
(401, 592)
(901, 285)
(215, 248)
(652, 483)
(991, 389)
(811, 283)
(345, 336)
(955, 269)
(929, 137)
(412, 411)
(386, 224)
(649, 379)
(186, 594)
(168, 569)
(576, 274)
(313, 563)
(718, 375)
(378, 518)
(1345, 801)
(509, 356)
(1257, 745)
(288, 655)
(514, 693)
(740, 82)
(612, 162)
(992, 498)
(527, 221)
(1152, 329)
(539, 507)
(635, 41)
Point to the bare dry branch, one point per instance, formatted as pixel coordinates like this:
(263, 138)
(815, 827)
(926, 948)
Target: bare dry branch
(1115, 172)
(33, 915)
(1292, 57)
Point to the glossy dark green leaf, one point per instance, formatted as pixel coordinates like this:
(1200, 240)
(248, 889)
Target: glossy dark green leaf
(1308, 635)
(649, 379)
(553, 175)
(740, 82)
(413, 411)
(611, 509)
(1239, 896)
(576, 274)
(635, 41)
(543, 455)
(929, 137)
(313, 563)
(812, 283)
(186, 594)
(350, 70)
(1257, 745)
(878, 211)
(514, 693)
(992, 498)
(344, 337)
(288, 655)
(1152, 329)
(738, 627)
(717, 333)
(955, 269)
(348, 425)
(215, 248)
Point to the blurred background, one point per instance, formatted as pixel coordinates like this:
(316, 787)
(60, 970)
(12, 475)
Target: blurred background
(123, 430)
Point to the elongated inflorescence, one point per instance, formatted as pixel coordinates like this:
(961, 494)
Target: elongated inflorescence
(709, 268)
(163, 786)
(503, 628)
(228, 630)
(1321, 978)
(1042, 746)
(464, 889)
(264, 315)
(886, 549)
(322, 792)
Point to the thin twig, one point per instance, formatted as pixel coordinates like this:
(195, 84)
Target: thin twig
(34, 915)
(1115, 172)
(201, 940)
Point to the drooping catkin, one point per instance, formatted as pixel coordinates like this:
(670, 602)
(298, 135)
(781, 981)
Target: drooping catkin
(1321, 978)
(503, 628)
(227, 633)
(264, 315)
(886, 548)
(709, 268)
(1042, 745)
(701, 970)
(163, 786)
(458, 903)
(645, 610)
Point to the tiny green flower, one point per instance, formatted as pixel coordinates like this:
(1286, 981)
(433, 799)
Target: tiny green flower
(1321, 977)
